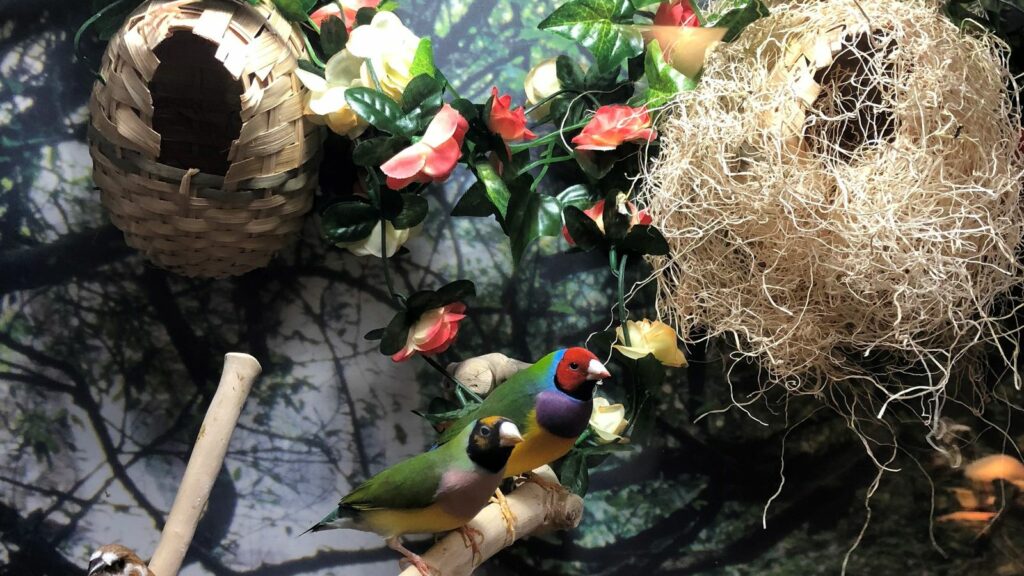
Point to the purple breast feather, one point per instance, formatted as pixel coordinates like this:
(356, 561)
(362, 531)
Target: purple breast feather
(561, 414)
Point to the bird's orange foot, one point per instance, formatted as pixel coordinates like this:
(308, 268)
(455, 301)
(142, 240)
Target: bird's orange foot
(413, 558)
(470, 538)
(508, 515)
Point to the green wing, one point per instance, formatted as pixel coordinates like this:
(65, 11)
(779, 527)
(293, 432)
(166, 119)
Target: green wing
(411, 483)
(514, 399)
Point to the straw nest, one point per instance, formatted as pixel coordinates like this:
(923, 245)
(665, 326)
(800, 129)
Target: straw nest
(197, 134)
(842, 195)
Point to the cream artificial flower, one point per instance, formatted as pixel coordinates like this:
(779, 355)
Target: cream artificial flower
(327, 95)
(389, 47)
(608, 420)
(370, 246)
(541, 82)
(647, 337)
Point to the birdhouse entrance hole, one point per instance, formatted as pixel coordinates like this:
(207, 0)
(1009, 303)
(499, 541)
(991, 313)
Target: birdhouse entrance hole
(196, 104)
(852, 110)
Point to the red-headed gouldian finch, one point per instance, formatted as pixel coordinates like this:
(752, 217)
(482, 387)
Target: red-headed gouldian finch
(116, 560)
(436, 491)
(551, 402)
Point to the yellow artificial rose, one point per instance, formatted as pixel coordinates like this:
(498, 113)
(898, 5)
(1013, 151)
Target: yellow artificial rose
(541, 82)
(326, 103)
(386, 45)
(647, 337)
(370, 246)
(608, 420)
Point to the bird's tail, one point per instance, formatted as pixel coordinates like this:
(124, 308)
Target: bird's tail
(338, 518)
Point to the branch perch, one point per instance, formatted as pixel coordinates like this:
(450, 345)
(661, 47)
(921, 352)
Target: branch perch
(536, 509)
(240, 370)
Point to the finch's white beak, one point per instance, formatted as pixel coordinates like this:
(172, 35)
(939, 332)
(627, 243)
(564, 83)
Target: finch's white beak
(509, 434)
(597, 371)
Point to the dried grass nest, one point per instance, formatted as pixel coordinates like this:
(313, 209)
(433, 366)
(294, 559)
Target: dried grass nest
(845, 183)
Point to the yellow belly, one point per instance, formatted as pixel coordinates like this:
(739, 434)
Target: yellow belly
(538, 448)
(427, 520)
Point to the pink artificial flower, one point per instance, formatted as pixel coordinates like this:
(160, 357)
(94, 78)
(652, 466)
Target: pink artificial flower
(505, 122)
(348, 15)
(434, 332)
(596, 213)
(676, 13)
(614, 125)
(434, 157)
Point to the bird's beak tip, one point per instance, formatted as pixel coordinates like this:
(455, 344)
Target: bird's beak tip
(95, 565)
(597, 371)
(509, 434)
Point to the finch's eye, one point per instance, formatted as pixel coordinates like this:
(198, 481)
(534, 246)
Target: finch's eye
(574, 366)
(485, 431)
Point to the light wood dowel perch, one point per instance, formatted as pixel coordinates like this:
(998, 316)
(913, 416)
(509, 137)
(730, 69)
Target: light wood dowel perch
(240, 370)
(536, 509)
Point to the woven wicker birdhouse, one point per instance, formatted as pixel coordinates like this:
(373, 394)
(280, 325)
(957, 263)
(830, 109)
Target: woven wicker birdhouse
(197, 135)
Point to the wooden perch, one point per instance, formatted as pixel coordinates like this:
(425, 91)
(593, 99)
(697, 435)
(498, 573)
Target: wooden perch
(240, 370)
(536, 508)
(483, 373)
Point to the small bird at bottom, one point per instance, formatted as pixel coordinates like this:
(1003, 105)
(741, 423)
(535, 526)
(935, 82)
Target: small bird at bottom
(432, 492)
(116, 560)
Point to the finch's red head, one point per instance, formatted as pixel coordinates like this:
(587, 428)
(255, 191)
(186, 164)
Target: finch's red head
(578, 371)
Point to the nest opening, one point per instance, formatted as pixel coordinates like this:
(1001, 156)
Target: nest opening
(851, 110)
(196, 104)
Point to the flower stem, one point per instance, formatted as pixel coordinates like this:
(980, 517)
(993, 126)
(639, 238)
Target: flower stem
(465, 389)
(398, 299)
(547, 138)
(544, 170)
(697, 12)
(544, 162)
(547, 99)
(621, 277)
(312, 53)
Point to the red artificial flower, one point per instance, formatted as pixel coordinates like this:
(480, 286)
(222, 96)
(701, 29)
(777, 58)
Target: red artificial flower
(348, 15)
(614, 125)
(505, 122)
(596, 213)
(676, 13)
(433, 158)
(434, 332)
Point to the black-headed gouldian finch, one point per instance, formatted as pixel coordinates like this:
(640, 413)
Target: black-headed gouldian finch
(436, 491)
(551, 402)
(116, 560)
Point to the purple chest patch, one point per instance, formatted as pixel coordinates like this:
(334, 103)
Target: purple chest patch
(561, 414)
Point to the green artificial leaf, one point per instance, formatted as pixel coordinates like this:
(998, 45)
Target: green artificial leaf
(494, 186)
(570, 75)
(574, 474)
(663, 81)
(457, 291)
(577, 195)
(649, 374)
(387, 6)
(390, 202)
(376, 151)
(530, 216)
(423, 92)
(376, 108)
(468, 110)
(414, 210)
(423, 59)
(333, 35)
(348, 221)
(474, 203)
(596, 163)
(365, 15)
(641, 4)
(396, 334)
(294, 10)
(310, 67)
(643, 239)
(375, 334)
(419, 302)
(604, 27)
(584, 232)
(602, 80)
(737, 19)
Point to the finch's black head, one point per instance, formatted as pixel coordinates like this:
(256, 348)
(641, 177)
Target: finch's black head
(491, 442)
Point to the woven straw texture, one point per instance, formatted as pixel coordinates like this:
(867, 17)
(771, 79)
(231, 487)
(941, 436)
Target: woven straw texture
(197, 135)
